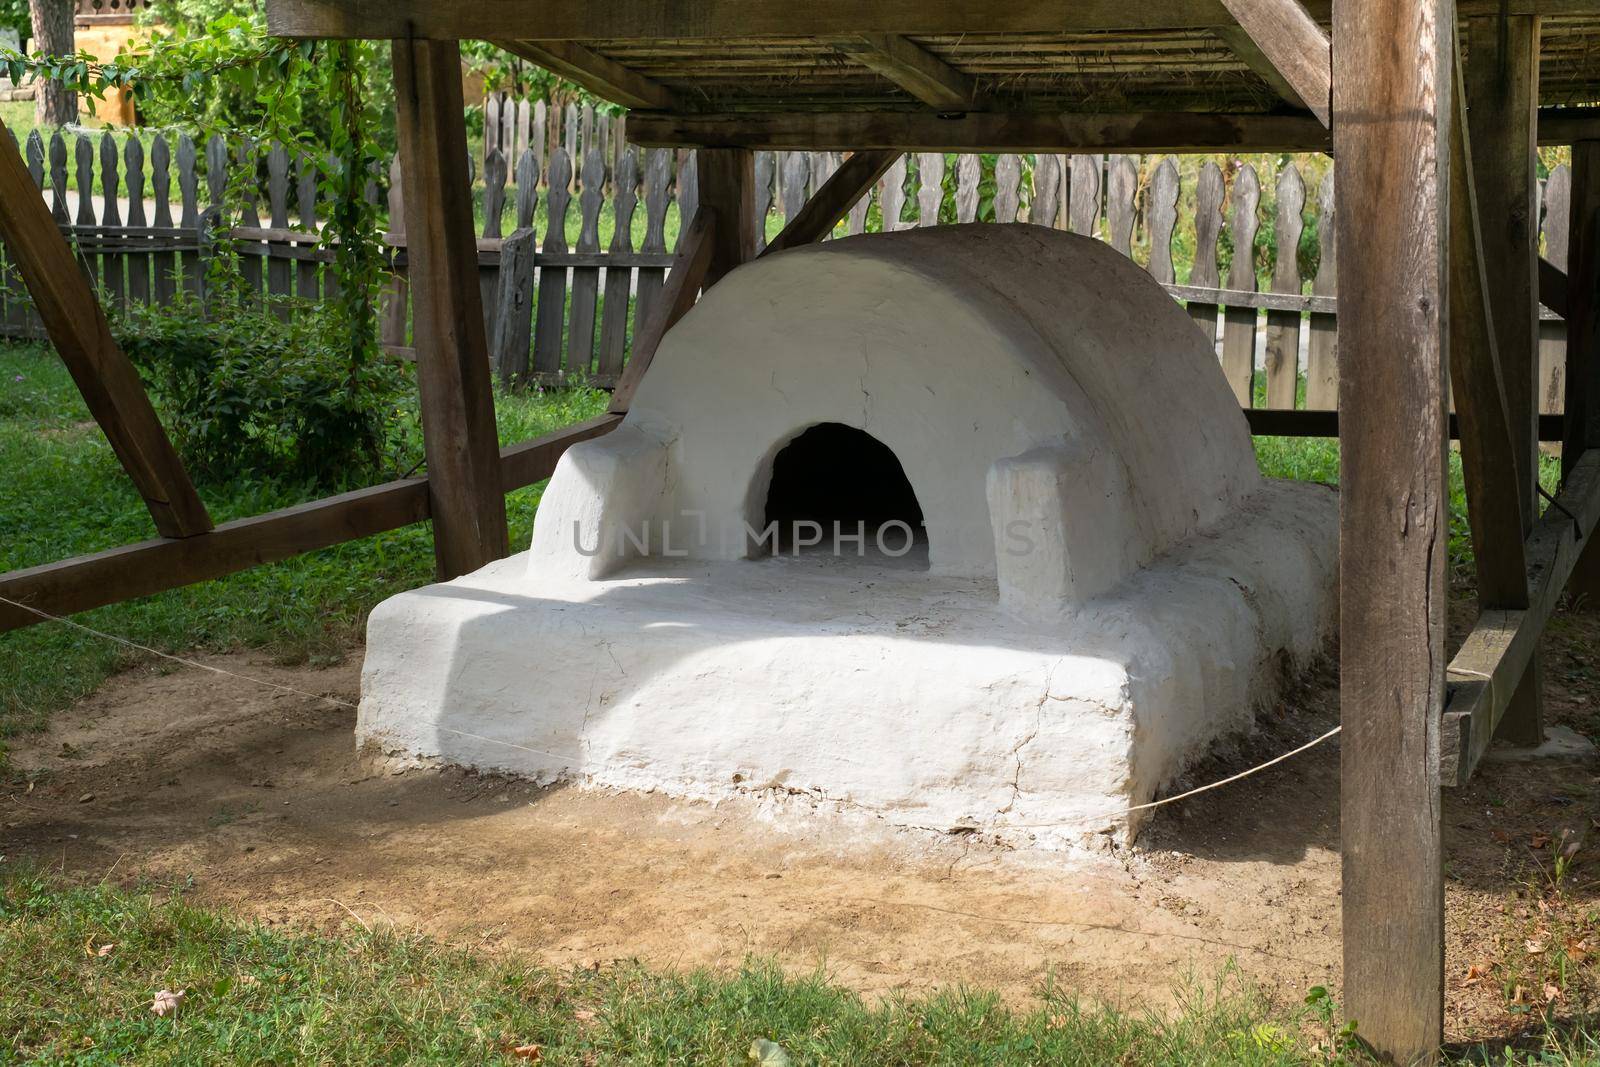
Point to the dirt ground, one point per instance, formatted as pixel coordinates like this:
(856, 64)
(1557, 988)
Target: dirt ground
(259, 796)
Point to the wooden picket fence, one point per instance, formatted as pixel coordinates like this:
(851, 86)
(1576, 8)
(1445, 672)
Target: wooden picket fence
(562, 299)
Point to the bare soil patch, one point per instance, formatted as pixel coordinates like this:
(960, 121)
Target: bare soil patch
(259, 797)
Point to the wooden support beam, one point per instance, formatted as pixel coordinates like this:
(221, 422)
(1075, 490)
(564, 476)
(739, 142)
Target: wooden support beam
(1582, 405)
(1391, 101)
(690, 265)
(1568, 125)
(603, 77)
(601, 20)
(1552, 287)
(1501, 100)
(727, 179)
(458, 426)
(1484, 674)
(149, 567)
(914, 69)
(1250, 54)
(77, 327)
(1017, 131)
(1295, 46)
(1282, 422)
(816, 219)
(912, 131)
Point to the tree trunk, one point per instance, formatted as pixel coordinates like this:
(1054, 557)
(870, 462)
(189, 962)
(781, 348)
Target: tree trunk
(52, 36)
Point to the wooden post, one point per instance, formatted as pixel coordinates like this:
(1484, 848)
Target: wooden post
(1583, 344)
(1502, 81)
(727, 183)
(1391, 108)
(469, 515)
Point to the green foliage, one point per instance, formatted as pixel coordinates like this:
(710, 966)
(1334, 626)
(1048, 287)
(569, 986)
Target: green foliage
(64, 494)
(246, 393)
(215, 72)
(14, 16)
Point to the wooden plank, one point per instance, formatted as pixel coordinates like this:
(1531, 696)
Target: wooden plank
(1242, 45)
(1239, 323)
(981, 131)
(1389, 118)
(279, 272)
(619, 279)
(1045, 208)
(1083, 199)
(465, 502)
(251, 266)
(113, 268)
(513, 336)
(603, 77)
(820, 214)
(586, 280)
(734, 19)
(892, 195)
(727, 186)
(138, 262)
(167, 275)
(394, 298)
(148, 567)
(1162, 206)
(1122, 183)
(914, 69)
(686, 189)
(657, 179)
(1273, 422)
(58, 178)
(77, 327)
(1495, 508)
(1007, 187)
(690, 266)
(1556, 229)
(496, 171)
(930, 187)
(1294, 44)
(1322, 348)
(1567, 125)
(1283, 327)
(794, 175)
(189, 214)
(550, 323)
(1552, 287)
(1502, 97)
(766, 173)
(1485, 673)
(1207, 227)
(1583, 345)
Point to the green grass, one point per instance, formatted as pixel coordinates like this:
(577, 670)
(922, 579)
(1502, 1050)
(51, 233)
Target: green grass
(255, 994)
(64, 494)
(258, 995)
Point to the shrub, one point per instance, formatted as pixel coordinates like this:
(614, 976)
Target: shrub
(248, 394)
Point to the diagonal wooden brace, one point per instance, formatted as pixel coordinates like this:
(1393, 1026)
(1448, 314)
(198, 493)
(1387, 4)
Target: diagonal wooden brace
(77, 327)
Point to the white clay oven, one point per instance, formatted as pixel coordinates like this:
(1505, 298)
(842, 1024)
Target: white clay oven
(1096, 586)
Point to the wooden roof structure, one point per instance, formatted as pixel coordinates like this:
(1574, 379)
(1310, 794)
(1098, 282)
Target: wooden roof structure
(1439, 279)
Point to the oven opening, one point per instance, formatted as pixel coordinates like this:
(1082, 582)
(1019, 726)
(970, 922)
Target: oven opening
(840, 492)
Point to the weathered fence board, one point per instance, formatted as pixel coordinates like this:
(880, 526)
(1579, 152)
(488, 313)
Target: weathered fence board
(141, 221)
(1239, 323)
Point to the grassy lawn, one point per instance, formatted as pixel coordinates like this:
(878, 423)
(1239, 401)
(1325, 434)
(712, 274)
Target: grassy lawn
(81, 966)
(64, 494)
